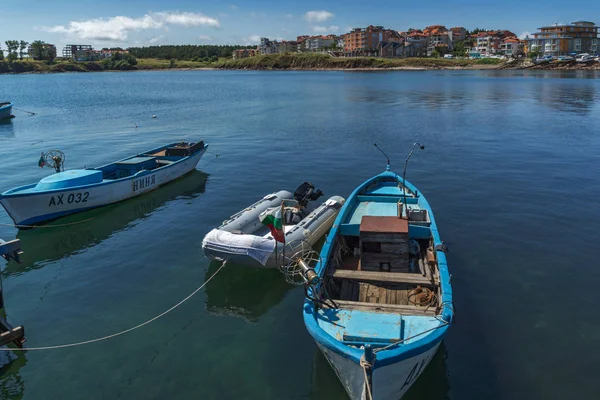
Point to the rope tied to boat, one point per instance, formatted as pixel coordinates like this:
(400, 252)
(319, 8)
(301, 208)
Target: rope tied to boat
(46, 226)
(61, 346)
(367, 366)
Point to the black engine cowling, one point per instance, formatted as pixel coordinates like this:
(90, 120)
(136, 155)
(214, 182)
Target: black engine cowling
(306, 192)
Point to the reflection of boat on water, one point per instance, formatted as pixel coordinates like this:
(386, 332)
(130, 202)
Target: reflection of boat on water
(432, 384)
(57, 242)
(245, 292)
(7, 130)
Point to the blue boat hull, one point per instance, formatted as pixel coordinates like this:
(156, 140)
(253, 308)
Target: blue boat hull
(5, 111)
(401, 340)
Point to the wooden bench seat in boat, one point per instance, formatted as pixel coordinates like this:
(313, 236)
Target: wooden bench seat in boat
(391, 277)
(392, 308)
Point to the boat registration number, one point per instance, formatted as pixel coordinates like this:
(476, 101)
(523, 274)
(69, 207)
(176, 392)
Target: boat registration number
(139, 184)
(80, 197)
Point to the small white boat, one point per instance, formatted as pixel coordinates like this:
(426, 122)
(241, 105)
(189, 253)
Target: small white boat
(71, 191)
(243, 239)
(5, 110)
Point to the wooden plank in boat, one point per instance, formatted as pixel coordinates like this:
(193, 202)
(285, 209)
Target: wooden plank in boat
(363, 292)
(402, 296)
(382, 295)
(394, 277)
(391, 308)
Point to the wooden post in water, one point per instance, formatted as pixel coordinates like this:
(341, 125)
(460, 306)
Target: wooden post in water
(10, 251)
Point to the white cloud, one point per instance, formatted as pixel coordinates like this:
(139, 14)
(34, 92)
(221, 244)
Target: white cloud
(318, 16)
(205, 38)
(233, 7)
(252, 39)
(188, 19)
(290, 16)
(117, 28)
(524, 35)
(325, 29)
(156, 39)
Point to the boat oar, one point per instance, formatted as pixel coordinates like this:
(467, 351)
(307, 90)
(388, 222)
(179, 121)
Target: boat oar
(29, 112)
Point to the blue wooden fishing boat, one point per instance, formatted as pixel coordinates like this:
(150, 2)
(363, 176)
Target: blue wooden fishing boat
(5, 110)
(381, 301)
(71, 191)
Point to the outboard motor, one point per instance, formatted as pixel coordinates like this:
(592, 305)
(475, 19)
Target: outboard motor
(305, 193)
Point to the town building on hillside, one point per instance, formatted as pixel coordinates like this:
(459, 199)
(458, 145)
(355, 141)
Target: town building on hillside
(108, 53)
(457, 34)
(563, 39)
(365, 41)
(390, 49)
(48, 52)
(438, 38)
(512, 47)
(286, 46)
(488, 43)
(415, 44)
(244, 53)
(267, 46)
(79, 52)
(319, 43)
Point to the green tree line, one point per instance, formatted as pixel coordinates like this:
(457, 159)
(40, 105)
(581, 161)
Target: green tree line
(185, 52)
(16, 49)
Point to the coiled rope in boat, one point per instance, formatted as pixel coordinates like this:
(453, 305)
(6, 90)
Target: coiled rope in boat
(62, 346)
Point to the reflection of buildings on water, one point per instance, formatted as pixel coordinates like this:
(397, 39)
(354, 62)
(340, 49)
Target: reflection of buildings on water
(243, 291)
(569, 96)
(432, 384)
(48, 244)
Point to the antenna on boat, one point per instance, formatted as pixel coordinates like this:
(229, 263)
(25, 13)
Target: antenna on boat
(386, 156)
(404, 173)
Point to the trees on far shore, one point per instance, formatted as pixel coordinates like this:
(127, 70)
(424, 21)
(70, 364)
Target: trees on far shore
(184, 52)
(12, 46)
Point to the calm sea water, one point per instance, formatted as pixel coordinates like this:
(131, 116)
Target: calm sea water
(511, 166)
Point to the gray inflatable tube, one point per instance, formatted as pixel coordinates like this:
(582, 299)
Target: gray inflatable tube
(243, 239)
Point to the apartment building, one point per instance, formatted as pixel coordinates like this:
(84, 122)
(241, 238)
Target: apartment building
(564, 39)
(438, 36)
(512, 47)
(365, 41)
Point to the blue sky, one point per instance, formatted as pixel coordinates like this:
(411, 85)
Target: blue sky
(124, 23)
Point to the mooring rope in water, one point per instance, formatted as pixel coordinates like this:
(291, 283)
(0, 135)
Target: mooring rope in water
(29, 112)
(61, 346)
(47, 226)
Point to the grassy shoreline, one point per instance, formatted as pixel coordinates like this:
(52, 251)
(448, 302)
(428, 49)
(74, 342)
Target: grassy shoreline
(293, 62)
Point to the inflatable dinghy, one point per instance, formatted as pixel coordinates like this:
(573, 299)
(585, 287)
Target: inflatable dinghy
(243, 239)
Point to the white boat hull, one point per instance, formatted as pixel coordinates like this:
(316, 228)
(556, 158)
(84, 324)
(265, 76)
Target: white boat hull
(263, 251)
(389, 382)
(32, 208)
